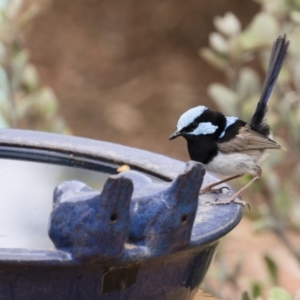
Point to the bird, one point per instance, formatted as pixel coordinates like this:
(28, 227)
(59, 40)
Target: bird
(230, 146)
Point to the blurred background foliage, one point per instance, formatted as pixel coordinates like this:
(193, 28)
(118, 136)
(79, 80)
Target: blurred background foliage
(124, 72)
(24, 101)
(243, 55)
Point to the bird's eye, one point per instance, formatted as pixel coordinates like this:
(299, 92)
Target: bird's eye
(192, 126)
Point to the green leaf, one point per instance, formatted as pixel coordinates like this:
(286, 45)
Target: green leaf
(248, 107)
(297, 2)
(263, 30)
(257, 289)
(224, 97)
(245, 296)
(272, 269)
(4, 86)
(295, 16)
(228, 25)
(294, 46)
(4, 122)
(284, 201)
(218, 42)
(264, 223)
(31, 78)
(19, 62)
(278, 293)
(248, 83)
(47, 102)
(218, 61)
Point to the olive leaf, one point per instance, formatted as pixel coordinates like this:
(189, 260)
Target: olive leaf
(278, 293)
(224, 97)
(218, 61)
(272, 269)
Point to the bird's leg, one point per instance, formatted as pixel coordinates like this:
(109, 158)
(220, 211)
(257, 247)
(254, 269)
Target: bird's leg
(209, 187)
(233, 198)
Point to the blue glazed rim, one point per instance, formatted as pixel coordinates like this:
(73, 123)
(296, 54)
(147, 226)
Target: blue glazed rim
(211, 223)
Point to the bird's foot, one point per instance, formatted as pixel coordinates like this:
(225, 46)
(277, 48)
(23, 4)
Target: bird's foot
(211, 190)
(227, 201)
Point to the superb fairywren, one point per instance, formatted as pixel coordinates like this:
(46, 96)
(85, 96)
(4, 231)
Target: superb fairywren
(228, 145)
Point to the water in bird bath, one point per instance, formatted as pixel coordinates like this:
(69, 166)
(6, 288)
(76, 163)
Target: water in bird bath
(26, 189)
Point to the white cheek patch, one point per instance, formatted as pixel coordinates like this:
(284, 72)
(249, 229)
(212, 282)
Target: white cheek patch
(189, 116)
(229, 122)
(204, 128)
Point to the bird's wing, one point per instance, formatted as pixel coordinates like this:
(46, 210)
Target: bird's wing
(247, 139)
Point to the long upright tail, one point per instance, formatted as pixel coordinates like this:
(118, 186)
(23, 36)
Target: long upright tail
(278, 54)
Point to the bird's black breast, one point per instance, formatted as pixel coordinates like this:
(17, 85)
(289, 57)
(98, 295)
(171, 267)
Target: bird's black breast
(202, 149)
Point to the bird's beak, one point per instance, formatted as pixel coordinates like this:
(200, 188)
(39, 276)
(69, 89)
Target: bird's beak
(175, 135)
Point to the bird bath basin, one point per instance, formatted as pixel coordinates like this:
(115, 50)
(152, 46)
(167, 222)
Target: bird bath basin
(72, 228)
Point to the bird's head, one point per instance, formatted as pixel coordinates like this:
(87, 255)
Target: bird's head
(199, 121)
